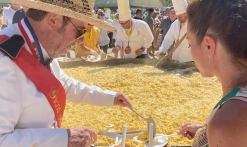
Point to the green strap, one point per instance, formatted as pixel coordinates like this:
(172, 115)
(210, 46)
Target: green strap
(228, 96)
(231, 94)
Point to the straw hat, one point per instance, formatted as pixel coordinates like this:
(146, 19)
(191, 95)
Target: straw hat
(77, 9)
(157, 10)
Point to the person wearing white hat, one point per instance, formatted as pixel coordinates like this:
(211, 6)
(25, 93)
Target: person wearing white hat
(34, 88)
(165, 25)
(110, 21)
(177, 33)
(133, 36)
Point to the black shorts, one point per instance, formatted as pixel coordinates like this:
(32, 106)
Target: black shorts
(141, 56)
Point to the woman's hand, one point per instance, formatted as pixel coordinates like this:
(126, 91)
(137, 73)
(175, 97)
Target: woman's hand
(189, 130)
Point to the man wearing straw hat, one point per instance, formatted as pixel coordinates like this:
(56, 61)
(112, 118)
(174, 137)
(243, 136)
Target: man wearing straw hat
(34, 88)
(133, 36)
(177, 33)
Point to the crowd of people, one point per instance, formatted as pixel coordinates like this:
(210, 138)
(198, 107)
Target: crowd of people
(135, 43)
(212, 33)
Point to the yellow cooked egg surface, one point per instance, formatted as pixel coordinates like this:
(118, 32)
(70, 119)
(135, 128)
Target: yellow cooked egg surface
(170, 99)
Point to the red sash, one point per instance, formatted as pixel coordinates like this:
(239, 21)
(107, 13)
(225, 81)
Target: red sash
(44, 80)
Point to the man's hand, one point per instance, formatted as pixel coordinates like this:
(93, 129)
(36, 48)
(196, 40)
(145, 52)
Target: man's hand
(122, 100)
(115, 50)
(139, 52)
(81, 137)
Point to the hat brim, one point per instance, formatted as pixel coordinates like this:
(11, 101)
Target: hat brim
(65, 12)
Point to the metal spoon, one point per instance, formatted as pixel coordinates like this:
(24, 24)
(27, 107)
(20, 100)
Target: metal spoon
(171, 135)
(148, 120)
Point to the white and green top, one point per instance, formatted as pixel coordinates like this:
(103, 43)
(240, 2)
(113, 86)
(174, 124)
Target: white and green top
(200, 139)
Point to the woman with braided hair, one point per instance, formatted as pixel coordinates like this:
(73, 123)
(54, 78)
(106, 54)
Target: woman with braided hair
(217, 33)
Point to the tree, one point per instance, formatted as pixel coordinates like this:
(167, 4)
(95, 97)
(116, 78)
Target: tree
(167, 3)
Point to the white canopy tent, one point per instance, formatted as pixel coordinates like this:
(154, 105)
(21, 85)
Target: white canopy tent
(133, 3)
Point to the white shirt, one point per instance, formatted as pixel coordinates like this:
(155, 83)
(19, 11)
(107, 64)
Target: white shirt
(141, 36)
(26, 116)
(108, 20)
(182, 53)
(115, 23)
(8, 14)
(103, 37)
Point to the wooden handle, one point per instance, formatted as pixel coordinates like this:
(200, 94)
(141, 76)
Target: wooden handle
(167, 58)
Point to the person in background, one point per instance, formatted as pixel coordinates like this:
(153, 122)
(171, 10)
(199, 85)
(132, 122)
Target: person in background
(219, 49)
(90, 42)
(112, 17)
(133, 36)
(115, 24)
(177, 33)
(138, 14)
(110, 21)
(104, 40)
(167, 11)
(155, 18)
(165, 26)
(145, 14)
(149, 19)
(19, 15)
(8, 14)
(156, 25)
(160, 17)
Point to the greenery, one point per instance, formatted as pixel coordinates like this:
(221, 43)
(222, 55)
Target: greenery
(167, 2)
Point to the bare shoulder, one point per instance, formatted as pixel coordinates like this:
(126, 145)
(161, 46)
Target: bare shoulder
(228, 127)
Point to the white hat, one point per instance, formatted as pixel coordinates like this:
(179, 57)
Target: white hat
(180, 6)
(107, 13)
(124, 10)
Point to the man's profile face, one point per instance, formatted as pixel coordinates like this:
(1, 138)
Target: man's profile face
(167, 12)
(126, 24)
(182, 18)
(64, 35)
(15, 5)
(139, 14)
(172, 14)
(155, 14)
